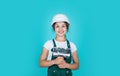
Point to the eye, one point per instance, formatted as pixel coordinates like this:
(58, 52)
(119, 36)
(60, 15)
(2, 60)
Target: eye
(57, 26)
(63, 26)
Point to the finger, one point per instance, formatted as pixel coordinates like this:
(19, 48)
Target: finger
(60, 57)
(60, 66)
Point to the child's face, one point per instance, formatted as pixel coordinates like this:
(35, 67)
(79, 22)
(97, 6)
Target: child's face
(60, 28)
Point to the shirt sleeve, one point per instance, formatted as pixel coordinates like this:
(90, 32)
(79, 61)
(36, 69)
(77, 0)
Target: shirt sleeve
(73, 47)
(47, 45)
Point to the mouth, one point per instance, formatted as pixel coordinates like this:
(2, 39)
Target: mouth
(60, 32)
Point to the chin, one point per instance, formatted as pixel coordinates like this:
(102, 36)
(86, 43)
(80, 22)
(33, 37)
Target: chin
(61, 35)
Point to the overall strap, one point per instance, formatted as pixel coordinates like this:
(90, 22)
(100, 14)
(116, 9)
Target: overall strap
(68, 44)
(54, 43)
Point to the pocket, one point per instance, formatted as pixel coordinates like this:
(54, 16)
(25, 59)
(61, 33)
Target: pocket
(68, 73)
(56, 73)
(65, 72)
(53, 73)
(50, 73)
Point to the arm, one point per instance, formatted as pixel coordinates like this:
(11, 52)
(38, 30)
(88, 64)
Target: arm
(46, 63)
(75, 65)
(43, 62)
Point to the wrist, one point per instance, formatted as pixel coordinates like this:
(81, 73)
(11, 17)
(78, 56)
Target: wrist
(53, 62)
(67, 65)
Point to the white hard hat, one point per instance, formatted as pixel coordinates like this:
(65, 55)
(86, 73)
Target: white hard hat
(60, 18)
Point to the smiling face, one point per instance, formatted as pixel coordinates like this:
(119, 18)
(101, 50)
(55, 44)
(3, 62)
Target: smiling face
(60, 28)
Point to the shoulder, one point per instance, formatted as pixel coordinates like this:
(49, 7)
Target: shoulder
(48, 42)
(73, 46)
(72, 43)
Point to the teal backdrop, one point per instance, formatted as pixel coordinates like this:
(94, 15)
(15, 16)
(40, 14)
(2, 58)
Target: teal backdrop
(25, 25)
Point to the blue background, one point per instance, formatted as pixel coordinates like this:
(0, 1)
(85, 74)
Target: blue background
(25, 26)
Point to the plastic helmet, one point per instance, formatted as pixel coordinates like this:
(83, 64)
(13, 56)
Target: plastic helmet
(60, 18)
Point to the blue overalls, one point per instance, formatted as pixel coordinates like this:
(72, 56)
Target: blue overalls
(54, 70)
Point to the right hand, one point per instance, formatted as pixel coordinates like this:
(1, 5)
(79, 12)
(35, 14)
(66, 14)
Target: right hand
(58, 60)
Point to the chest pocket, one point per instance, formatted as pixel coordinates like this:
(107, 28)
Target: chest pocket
(61, 52)
(66, 53)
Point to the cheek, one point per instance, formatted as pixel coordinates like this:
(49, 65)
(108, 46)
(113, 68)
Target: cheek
(65, 29)
(56, 29)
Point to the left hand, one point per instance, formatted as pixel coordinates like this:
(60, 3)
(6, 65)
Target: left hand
(63, 65)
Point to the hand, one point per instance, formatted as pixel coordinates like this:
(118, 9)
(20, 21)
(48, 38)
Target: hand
(58, 60)
(63, 65)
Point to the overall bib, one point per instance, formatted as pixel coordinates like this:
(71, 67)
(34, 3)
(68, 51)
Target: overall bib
(54, 70)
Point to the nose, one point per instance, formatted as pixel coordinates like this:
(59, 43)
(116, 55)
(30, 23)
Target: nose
(60, 28)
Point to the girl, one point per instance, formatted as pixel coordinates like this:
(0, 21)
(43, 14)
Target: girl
(58, 53)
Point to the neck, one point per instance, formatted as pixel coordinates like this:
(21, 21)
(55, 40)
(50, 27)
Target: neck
(60, 39)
